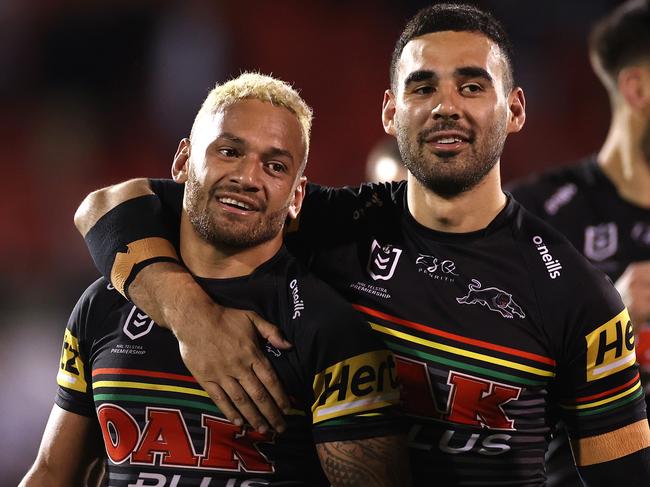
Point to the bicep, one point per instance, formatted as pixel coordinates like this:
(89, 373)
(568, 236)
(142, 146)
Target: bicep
(100, 202)
(70, 444)
(381, 461)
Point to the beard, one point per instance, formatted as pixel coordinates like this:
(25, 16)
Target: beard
(229, 232)
(449, 175)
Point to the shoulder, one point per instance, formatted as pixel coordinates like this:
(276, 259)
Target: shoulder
(99, 299)
(559, 272)
(323, 314)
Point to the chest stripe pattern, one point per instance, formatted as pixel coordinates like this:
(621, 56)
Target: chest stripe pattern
(148, 386)
(470, 341)
(457, 347)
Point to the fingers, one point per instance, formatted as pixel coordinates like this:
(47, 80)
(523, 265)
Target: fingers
(260, 408)
(270, 332)
(221, 399)
(248, 401)
(240, 400)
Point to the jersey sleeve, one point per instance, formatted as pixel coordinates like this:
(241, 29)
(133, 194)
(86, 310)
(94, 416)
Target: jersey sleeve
(74, 391)
(334, 216)
(597, 387)
(354, 385)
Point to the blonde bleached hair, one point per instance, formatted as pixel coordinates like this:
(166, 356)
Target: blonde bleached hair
(257, 86)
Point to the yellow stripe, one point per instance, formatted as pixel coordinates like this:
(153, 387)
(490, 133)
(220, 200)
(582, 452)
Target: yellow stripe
(460, 351)
(151, 387)
(604, 401)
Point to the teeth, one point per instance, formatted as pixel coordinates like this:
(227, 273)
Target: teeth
(238, 204)
(448, 140)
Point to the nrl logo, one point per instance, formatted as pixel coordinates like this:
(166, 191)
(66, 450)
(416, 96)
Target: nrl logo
(383, 261)
(494, 298)
(137, 324)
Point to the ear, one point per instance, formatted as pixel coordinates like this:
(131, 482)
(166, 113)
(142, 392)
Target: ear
(297, 199)
(388, 113)
(181, 159)
(634, 85)
(517, 110)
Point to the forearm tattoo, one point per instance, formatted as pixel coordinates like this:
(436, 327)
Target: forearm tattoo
(373, 462)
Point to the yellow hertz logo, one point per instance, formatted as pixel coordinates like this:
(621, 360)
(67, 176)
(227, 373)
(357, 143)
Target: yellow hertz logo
(71, 369)
(610, 347)
(358, 384)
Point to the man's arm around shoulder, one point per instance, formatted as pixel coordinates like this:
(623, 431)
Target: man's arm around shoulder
(123, 225)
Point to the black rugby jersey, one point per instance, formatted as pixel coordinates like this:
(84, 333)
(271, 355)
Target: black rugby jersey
(582, 203)
(161, 428)
(497, 333)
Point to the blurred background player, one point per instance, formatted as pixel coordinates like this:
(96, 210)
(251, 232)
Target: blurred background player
(602, 203)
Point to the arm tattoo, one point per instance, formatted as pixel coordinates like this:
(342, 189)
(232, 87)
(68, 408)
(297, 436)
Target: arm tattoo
(381, 462)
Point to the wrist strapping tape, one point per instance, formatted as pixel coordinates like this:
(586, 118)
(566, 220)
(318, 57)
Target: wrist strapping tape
(128, 238)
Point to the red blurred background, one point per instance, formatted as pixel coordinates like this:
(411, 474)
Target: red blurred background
(92, 93)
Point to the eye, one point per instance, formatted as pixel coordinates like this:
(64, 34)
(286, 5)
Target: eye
(471, 88)
(276, 167)
(423, 90)
(228, 152)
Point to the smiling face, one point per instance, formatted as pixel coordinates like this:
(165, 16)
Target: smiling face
(450, 111)
(243, 173)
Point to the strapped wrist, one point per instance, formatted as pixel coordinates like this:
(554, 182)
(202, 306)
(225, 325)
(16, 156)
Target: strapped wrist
(128, 238)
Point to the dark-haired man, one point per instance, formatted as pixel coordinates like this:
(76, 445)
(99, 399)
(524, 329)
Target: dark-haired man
(602, 203)
(123, 376)
(498, 324)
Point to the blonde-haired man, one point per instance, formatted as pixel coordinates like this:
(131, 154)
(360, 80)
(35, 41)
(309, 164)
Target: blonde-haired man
(242, 171)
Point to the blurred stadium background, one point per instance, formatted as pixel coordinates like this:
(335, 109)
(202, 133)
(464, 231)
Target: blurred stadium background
(94, 92)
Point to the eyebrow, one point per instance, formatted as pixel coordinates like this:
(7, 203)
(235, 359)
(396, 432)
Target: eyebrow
(473, 72)
(272, 152)
(462, 72)
(231, 137)
(275, 151)
(421, 75)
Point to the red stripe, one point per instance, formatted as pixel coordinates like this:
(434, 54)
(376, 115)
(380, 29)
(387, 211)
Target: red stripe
(144, 373)
(452, 336)
(610, 392)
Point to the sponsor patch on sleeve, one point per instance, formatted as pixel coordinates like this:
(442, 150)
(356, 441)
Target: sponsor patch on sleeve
(610, 347)
(356, 385)
(71, 368)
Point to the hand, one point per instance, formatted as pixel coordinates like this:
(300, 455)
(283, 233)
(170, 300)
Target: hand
(227, 361)
(219, 346)
(634, 288)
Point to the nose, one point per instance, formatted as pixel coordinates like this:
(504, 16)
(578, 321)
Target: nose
(446, 105)
(246, 173)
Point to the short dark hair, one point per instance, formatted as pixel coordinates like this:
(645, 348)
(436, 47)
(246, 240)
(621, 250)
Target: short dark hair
(622, 37)
(460, 17)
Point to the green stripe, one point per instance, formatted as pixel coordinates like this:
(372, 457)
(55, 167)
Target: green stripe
(461, 365)
(158, 400)
(335, 422)
(615, 405)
